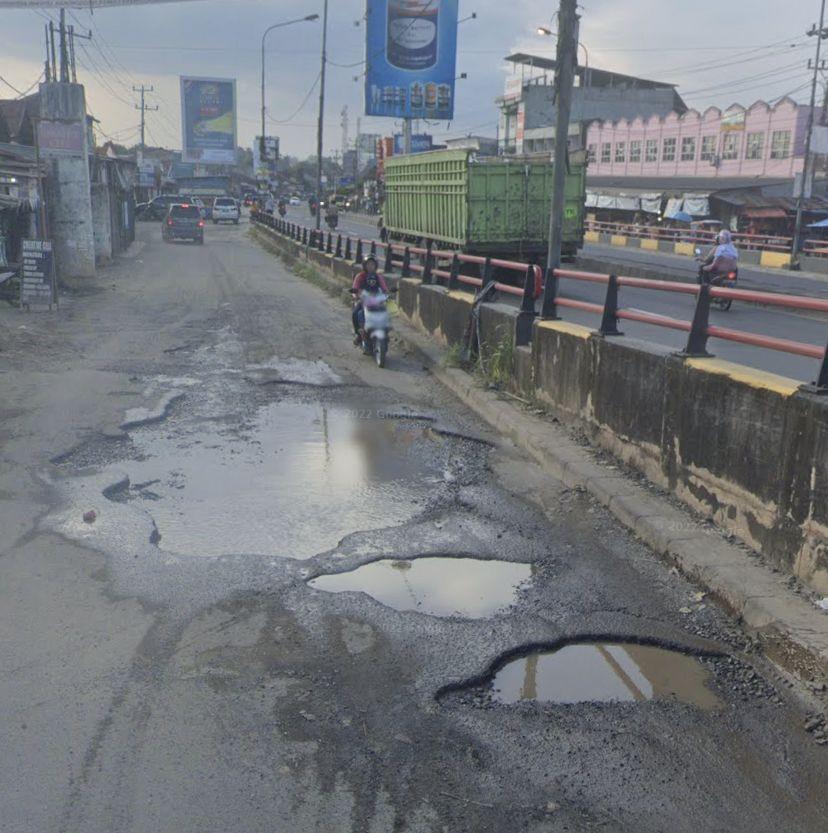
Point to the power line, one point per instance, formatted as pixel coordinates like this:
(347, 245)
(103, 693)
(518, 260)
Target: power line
(300, 107)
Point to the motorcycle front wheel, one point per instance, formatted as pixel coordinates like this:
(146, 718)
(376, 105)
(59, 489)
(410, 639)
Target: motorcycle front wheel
(380, 351)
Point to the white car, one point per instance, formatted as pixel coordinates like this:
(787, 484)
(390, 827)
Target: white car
(226, 209)
(295, 201)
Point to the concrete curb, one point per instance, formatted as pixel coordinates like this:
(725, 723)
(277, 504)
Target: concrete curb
(791, 631)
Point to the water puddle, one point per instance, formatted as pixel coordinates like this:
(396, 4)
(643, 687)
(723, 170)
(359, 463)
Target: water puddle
(292, 481)
(467, 587)
(605, 672)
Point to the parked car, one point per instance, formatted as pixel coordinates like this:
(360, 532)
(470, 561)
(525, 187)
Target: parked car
(143, 211)
(183, 222)
(226, 209)
(157, 209)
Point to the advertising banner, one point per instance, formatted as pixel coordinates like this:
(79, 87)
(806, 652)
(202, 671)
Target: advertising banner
(208, 120)
(733, 121)
(411, 56)
(420, 143)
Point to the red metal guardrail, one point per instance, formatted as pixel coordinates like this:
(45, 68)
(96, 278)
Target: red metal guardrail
(699, 329)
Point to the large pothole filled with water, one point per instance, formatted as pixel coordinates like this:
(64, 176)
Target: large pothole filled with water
(470, 588)
(290, 480)
(604, 672)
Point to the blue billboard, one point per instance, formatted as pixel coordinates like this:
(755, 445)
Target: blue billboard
(420, 143)
(410, 59)
(208, 120)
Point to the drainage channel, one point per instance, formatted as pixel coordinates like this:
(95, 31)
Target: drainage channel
(470, 588)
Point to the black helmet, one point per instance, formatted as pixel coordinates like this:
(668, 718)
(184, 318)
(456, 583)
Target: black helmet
(370, 259)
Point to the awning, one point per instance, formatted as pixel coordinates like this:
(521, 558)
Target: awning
(651, 203)
(765, 213)
(696, 204)
(820, 224)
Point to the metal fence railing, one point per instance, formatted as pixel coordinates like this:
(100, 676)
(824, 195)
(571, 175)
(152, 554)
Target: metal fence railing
(435, 266)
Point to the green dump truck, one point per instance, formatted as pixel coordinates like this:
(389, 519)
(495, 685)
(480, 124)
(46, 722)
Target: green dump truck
(486, 205)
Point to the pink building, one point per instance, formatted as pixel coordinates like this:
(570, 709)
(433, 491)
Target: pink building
(758, 142)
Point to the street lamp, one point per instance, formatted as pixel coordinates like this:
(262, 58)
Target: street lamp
(546, 32)
(266, 31)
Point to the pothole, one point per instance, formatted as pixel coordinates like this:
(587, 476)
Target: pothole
(605, 672)
(466, 587)
(292, 480)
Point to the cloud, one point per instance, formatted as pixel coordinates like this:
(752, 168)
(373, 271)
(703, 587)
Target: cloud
(703, 46)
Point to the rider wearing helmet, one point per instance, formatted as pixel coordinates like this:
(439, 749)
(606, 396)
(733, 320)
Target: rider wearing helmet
(370, 280)
(723, 259)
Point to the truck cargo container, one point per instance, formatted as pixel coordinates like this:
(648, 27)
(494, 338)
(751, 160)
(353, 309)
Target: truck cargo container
(485, 205)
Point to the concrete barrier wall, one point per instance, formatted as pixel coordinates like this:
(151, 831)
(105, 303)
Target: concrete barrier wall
(745, 448)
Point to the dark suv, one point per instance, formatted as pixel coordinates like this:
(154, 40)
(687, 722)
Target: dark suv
(183, 222)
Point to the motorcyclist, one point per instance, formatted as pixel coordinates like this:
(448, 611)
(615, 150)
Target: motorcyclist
(332, 216)
(721, 260)
(370, 280)
(282, 208)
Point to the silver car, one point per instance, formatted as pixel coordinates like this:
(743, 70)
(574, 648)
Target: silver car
(226, 209)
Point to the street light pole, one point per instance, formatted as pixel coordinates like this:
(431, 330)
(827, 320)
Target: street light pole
(319, 127)
(264, 36)
(797, 239)
(565, 63)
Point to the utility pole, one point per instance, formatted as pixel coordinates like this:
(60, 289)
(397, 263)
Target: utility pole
(565, 64)
(320, 126)
(143, 107)
(820, 34)
(64, 53)
(406, 135)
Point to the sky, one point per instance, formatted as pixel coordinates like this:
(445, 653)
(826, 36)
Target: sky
(718, 53)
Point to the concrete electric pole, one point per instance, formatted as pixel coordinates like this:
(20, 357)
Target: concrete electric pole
(320, 125)
(797, 239)
(143, 107)
(565, 64)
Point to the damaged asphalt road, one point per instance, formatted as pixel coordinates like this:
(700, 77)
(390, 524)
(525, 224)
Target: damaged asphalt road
(316, 596)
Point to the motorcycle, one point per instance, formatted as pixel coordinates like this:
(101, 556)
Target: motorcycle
(377, 326)
(282, 210)
(332, 220)
(726, 280)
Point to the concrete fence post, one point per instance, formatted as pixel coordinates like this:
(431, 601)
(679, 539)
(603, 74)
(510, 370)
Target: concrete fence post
(338, 250)
(697, 340)
(526, 316)
(454, 273)
(389, 258)
(609, 321)
(348, 248)
(359, 256)
(406, 264)
(428, 264)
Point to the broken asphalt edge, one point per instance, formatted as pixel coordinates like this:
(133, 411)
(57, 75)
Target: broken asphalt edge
(792, 633)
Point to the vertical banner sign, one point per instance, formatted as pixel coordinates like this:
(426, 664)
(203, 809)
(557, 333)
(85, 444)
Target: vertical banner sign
(411, 55)
(37, 287)
(208, 120)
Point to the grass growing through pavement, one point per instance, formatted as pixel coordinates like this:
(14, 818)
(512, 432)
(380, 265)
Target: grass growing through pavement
(497, 366)
(453, 357)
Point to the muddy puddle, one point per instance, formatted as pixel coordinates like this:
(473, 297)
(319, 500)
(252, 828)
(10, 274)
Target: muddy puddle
(290, 481)
(605, 672)
(467, 587)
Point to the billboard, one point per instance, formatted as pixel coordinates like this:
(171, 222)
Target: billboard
(420, 143)
(264, 167)
(410, 58)
(208, 120)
